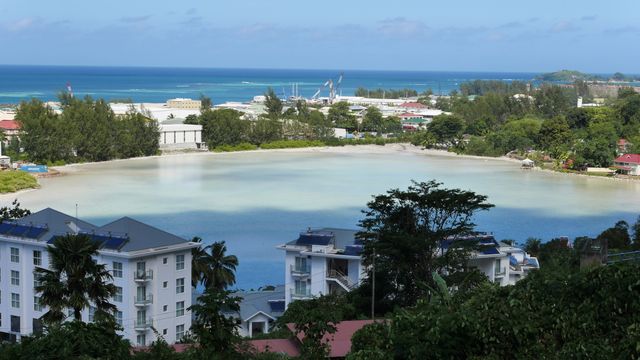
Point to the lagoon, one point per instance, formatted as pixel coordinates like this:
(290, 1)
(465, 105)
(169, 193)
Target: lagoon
(257, 200)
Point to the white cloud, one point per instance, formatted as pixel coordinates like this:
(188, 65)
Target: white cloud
(21, 24)
(401, 27)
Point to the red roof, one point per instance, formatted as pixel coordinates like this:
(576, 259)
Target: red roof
(623, 142)
(278, 346)
(409, 115)
(340, 341)
(628, 158)
(414, 105)
(9, 125)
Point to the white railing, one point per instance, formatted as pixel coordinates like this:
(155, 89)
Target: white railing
(143, 275)
(300, 293)
(341, 278)
(143, 300)
(142, 324)
(300, 270)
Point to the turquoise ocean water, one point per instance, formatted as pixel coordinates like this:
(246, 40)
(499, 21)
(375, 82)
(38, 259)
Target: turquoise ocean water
(159, 84)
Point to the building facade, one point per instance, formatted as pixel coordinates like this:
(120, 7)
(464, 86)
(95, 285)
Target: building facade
(151, 270)
(258, 310)
(180, 136)
(180, 103)
(328, 261)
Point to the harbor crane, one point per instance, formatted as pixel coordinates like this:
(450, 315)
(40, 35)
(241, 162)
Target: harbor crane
(333, 89)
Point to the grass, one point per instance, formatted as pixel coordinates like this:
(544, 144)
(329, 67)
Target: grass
(14, 180)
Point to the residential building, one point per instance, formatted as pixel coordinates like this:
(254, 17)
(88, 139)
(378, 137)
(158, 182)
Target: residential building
(10, 128)
(151, 269)
(180, 136)
(628, 164)
(180, 103)
(328, 261)
(259, 310)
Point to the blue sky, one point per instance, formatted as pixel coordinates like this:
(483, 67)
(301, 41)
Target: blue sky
(464, 35)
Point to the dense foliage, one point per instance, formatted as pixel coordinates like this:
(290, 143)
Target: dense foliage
(385, 93)
(545, 120)
(12, 181)
(85, 130)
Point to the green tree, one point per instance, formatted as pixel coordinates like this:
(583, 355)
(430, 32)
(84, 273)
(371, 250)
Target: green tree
(273, 104)
(212, 267)
(223, 127)
(617, 237)
(321, 126)
(215, 332)
(405, 233)
(205, 103)
(314, 320)
(44, 135)
(553, 101)
(265, 130)
(555, 136)
(446, 129)
(74, 281)
(373, 120)
(340, 115)
(192, 119)
(532, 246)
(14, 212)
(93, 128)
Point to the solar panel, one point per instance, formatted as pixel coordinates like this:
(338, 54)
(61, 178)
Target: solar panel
(5, 227)
(114, 243)
(53, 239)
(314, 239)
(490, 251)
(277, 306)
(354, 250)
(34, 232)
(513, 261)
(18, 230)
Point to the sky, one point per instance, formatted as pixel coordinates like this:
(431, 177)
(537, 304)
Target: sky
(462, 35)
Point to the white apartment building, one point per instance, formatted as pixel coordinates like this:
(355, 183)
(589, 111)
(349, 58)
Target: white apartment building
(181, 103)
(328, 261)
(151, 269)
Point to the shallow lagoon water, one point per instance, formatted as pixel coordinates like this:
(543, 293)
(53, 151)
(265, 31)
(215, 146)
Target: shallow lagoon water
(257, 200)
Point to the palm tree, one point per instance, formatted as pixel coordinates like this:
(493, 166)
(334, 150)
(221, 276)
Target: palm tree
(211, 267)
(74, 280)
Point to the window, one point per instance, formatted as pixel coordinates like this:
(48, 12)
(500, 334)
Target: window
(36, 304)
(301, 264)
(37, 326)
(179, 286)
(179, 262)
(37, 279)
(118, 295)
(15, 300)
(0, 319)
(92, 314)
(164, 308)
(15, 324)
(15, 255)
(119, 317)
(179, 332)
(142, 340)
(165, 284)
(15, 277)
(165, 260)
(180, 308)
(164, 331)
(37, 257)
(117, 269)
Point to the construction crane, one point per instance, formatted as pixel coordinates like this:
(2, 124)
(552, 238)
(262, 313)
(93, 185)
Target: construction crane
(333, 89)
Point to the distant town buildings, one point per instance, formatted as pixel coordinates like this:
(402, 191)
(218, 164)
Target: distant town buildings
(259, 310)
(180, 103)
(151, 269)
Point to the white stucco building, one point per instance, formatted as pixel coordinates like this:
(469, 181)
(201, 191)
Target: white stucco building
(328, 261)
(180, 136)
(151, 269)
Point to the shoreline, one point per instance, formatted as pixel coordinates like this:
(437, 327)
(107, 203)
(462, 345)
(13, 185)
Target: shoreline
(395, 148)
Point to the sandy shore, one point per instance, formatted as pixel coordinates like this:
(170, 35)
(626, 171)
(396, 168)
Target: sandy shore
(347, 149)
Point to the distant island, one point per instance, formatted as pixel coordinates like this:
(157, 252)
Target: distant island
(573, 75)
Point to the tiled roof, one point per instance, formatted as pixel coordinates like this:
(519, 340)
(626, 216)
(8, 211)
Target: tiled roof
(414, 105)
(628, 158)
(9, 125)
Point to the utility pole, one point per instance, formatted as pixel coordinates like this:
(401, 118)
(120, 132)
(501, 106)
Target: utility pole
(373, 287)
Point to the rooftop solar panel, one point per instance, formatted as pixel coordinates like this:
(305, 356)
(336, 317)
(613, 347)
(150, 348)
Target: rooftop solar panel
(18, 230)
(34, 232)
(277, 306)
(314, 239)
(353, 250)
(114, 243)
(490, 251)
(5, 227)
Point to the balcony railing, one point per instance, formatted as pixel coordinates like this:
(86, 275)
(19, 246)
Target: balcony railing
(143, 275)
(500, 272)
(300, 293)
(142, 324)
(300, 270)
(143, 300)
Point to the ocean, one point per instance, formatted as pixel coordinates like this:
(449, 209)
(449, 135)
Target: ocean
(140, 84)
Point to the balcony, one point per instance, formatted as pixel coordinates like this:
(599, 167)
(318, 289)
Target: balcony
(143, 276)
(143, 300)
(297, 294)
(300, 270)
(142, 324)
